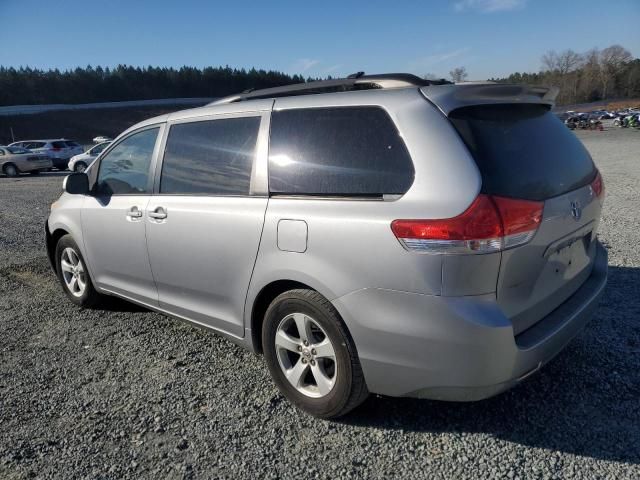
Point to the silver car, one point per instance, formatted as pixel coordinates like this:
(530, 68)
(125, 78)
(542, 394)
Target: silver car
(17, 160)
(58, 150)
(377, 233)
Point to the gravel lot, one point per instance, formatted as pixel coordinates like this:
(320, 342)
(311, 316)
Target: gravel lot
(127, 393)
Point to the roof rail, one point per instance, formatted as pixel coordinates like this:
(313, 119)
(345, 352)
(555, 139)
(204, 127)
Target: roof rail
(356, 81)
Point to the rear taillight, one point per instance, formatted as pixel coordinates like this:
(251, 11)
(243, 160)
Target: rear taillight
(597, 185)
(490, 224)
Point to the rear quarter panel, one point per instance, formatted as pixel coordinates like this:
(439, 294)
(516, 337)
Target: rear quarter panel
(350, 245)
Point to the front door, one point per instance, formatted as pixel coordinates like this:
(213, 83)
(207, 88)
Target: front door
(113, 218)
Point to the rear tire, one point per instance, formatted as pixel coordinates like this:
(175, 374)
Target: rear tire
(10, 170)
(73, 274)
(311, 355)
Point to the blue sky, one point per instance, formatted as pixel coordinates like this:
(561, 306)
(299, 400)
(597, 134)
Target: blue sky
(488, 37)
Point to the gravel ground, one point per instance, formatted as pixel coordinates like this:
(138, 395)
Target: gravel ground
(127, 393)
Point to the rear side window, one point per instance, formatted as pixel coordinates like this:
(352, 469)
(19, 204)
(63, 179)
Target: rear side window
(34, 145)
(72, 144)
(58, 144)
(523, 151)
(338, 151)
(212, 157)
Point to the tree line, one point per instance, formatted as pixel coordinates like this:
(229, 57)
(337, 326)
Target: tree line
(582, 77)
(610, 73)
(27, 86)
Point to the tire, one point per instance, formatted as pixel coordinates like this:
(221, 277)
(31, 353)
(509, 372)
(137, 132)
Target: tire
(86, 296)
(343, 386)
(79, 167)
(10, 170)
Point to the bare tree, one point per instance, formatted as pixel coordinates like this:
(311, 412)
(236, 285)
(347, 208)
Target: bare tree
(612, 60)
(459, 74)
(563, 62)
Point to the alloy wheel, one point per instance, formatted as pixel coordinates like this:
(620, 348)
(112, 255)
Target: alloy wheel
(306, 355)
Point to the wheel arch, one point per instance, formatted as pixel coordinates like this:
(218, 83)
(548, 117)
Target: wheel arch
(52, 239)
(262, 301)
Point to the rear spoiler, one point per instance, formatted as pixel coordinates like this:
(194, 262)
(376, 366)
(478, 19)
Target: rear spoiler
(451, 97)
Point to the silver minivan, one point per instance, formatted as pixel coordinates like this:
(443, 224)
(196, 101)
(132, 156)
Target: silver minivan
(378, 233)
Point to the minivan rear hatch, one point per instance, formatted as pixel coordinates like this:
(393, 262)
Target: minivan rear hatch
(524, 151)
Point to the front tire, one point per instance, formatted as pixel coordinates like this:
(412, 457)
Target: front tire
(311, 355)
(73, 274)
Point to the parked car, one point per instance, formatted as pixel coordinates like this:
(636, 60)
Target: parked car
(102, 139)
(17, 160)
(414, 239)
(58, 150)
(79, 163)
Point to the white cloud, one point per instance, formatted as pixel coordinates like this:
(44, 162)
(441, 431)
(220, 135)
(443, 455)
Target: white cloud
(488, 6)
(302, 65)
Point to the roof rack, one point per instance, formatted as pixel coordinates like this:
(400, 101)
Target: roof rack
(356, 81)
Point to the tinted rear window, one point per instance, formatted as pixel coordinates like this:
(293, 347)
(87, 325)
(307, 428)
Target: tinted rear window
(59, 144)
(72, 144)
(338, 151)
(523, 151)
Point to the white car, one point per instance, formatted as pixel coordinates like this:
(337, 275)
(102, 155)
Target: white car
(79, 163)
(102, 139)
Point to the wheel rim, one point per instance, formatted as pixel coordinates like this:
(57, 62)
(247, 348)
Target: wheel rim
(11, 171)
(73, 272)
(306, 355)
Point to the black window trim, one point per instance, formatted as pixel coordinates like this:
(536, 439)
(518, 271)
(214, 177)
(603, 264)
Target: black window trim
(342, 197)
(95, 172)
(260, 114)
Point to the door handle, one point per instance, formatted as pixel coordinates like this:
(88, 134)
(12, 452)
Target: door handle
(159, 213)
(134, 212)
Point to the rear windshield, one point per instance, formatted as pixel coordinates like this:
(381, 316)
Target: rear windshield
(523, 151)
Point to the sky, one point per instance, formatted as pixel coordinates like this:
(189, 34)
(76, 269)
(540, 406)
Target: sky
(490, 38)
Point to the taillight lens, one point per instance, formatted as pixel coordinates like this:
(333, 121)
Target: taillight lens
(490, 224)
(597, 185)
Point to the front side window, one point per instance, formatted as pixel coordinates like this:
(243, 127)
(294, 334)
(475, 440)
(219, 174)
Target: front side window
(337, 151)
(212, 157)
(125, 169)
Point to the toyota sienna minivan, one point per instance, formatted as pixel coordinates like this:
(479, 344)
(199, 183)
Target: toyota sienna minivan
(379, 233)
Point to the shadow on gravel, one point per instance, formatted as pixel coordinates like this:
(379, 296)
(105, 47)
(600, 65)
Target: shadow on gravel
(114, 304)
(584, 402)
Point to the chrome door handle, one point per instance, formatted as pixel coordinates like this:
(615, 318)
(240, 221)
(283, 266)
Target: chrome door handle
(159, 213)
(134, 212)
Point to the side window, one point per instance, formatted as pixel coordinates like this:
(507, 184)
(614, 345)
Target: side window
(58, 144)
(125, 169)
(211, 157)
(337, 151)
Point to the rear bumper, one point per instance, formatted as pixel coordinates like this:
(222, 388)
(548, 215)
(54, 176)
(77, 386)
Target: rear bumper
(457, 348)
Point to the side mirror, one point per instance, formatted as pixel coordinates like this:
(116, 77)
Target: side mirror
(76, 184)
